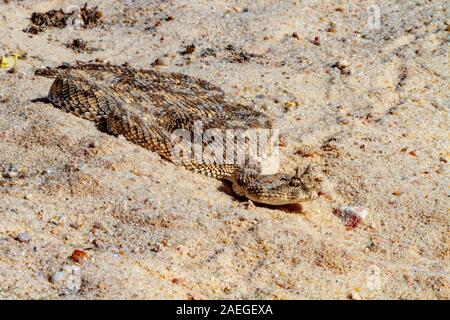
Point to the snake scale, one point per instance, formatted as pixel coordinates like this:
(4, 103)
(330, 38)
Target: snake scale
(147, 106)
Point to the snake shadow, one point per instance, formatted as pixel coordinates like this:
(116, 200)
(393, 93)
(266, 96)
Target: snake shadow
(42, 100)
(289, 208)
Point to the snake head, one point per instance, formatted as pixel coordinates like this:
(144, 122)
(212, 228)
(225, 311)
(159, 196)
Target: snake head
(280, 188)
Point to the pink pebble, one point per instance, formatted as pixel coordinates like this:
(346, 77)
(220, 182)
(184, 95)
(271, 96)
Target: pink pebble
(351, 216)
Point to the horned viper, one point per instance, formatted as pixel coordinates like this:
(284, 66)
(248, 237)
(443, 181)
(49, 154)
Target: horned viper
(147, 106)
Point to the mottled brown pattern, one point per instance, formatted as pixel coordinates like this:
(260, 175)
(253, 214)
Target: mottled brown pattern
(146, 106)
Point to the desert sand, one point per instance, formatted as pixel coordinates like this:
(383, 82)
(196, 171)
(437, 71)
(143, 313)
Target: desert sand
(364, 99)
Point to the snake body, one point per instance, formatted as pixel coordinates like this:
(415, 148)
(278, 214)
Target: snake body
(147, 106)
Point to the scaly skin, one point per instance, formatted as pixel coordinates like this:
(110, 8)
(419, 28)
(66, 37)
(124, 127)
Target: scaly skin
(146, 106)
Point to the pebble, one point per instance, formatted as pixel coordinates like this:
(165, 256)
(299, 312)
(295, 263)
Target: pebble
(282, 140)
(351, 216)
(290, 104)
(68, 278)
(23, 237)
(440, 169)
(189, 49)
(316, 41)
(75, 225)
(79, 256)
(342, 120)
(332, 27)
(57, 277)
(94, 144)
(9, 174)
(343, 66)
(355, 295)
(296, 35)
(162, 61)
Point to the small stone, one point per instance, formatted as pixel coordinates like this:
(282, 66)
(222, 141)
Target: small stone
(28, 196)
(290, 104)
(57, 277)
(342, 120)
(351, 217)
(79, 256)
(331, 27)
(162, 61)
(68, 278)
(343, 66)
(9, 174)
(296, 35)
(12, 70)
(58, 220)
(75, 225)
(137, 172)
(23, 171)
(316, 41)
(440, 169)
(355, 295)
(23, 237)
(99, 225)
(101, 60)
(94, 144)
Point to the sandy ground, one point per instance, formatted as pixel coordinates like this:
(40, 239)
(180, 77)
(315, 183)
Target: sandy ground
(376, 123)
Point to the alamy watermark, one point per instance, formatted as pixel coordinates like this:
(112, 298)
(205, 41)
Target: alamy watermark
(258, 147)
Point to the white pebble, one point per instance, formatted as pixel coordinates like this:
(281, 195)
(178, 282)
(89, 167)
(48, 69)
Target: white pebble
(23, 237)
(356, 211)
(58, 277)
(10, 174)
(355, 296)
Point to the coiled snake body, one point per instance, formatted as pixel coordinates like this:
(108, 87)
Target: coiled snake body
(147, 106)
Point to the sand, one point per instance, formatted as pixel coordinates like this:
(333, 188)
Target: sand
(365, 102)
